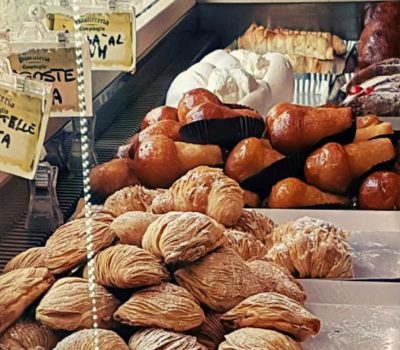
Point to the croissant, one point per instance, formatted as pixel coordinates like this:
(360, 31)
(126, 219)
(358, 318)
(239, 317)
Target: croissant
(273, 311)
(312, 248)
(334, 167)
(294, 128)
(205, 190)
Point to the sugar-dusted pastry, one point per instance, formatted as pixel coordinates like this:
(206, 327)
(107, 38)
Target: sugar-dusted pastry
(159, 161)
(380, 191)
(382, 11)
(205, 190)
(97, 212)
(293, 128)
(334, 167)
(66, 248)
(168, 128)
(32, 257)
(220, 280)
(312, 248)
(67, 305)
(251, 199)
(372, 131)
(158, 114)
(182, 237)
(258, 339)
(132, 198)
(273, 311)
(131, 226)
(244, 244)
(250, 156)
(28, 334)
(83, 340)
(212, 332)
(294, 193)
(277, 278)
(166, 306)
(19, 289)
(127, 266)
(159, 339)
(257, 224)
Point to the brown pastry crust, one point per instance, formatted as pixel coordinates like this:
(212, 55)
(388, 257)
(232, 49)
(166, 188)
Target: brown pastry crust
(220, 280)
(380, 191)
(251, 199)
(19, 289)
(124, 266)
(32, 257)
(250, 156)
(372, 131)
(244, 244)
(97, 212)
(66, 248)
(131, 226)
(165, 306)
(258, 339)
(385, 11)
(182, 237)
(83, 340)
(212, 331)
(367, 120)
(168, 128)
(158, 114)
(158, 339)
(67, 306)
(273, 311)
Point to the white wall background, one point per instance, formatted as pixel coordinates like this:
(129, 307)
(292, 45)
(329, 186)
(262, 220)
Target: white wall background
(14, 12)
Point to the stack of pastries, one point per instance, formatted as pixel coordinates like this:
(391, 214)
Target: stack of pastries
(172, 268)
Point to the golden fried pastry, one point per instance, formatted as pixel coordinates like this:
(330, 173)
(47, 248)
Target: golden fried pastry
(244, 244)
(126, 266)
(251, 199)
(367, 120)
(257, 224)
(205, 190)
(273, 311)
(131, 226)
(249, 157)
(372, 131)
(160, 339)
(212, 331)
(28, 334)
(32, 257)
(158, 114)
(19, 289)
(334, 167)
(220, 280)
(67, 306)
(178, 237)
(111, 176)
(169, 128)
(83, 340)
(258, 339)
(66, 248)
(312, 248)
(166, 306)
(132, 198)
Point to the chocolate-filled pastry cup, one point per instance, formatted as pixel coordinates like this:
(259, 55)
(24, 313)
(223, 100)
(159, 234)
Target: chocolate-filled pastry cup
(225, 132)
(262, 182)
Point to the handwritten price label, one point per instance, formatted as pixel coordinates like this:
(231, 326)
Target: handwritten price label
(22, 130)
(110, 35)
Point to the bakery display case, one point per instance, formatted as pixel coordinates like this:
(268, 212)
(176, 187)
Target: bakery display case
(238, 188)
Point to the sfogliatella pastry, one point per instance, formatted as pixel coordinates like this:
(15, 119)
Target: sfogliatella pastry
(111, 176)
(32, 257)
(312, 248)
(244, 244)
(157, 339)
(212, 331)
(159, 161)
(29, 334)
(182, 237)
(131, 226)
(334, 167)
(294, 128)
(166, 306)
(250, 156)
(67, 305)
(294, 193)
(158, 114)
(220, 280)
(380, 191)
(125, 266)
(19, 289)
(277, 278)
(258, 339)
(83, 340)
(273, 311)
(205, 190)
